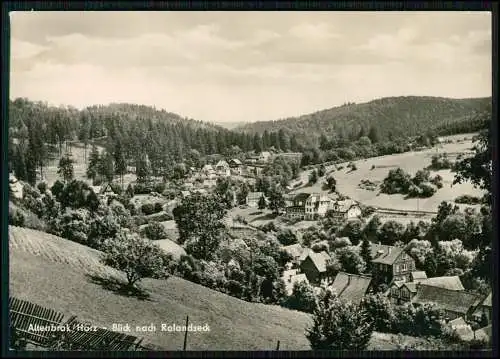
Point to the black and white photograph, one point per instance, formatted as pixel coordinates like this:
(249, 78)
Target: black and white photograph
(250, 181)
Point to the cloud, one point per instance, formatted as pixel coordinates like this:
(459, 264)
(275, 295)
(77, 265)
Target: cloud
(313, 32)
(22, 49)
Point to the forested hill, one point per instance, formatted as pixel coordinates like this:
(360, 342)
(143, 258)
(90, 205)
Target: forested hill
(391, 117)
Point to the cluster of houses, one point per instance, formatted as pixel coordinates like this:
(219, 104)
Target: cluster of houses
(311, 206)
(252, 167)
(393, 266)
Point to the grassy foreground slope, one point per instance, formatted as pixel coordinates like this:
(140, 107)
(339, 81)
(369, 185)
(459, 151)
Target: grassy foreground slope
(53, 272)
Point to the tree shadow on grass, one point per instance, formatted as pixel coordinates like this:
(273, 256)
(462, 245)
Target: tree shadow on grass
(119, 287)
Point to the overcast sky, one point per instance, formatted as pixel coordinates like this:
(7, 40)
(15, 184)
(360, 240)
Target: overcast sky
(247, 66)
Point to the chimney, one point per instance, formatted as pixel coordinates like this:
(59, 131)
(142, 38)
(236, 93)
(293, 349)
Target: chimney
(390, 248)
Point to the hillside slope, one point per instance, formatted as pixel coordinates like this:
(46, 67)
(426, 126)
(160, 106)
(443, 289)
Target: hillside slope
(54, 272)
(396, 116)
(51, 271)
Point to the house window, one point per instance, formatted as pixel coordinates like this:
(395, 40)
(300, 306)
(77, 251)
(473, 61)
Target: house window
(403, 267)
(405, 294)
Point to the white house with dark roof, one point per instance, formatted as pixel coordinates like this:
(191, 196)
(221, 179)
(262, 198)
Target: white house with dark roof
(222, 169)
(345, 210)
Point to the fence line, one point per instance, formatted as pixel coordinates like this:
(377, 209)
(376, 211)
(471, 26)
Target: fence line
(24, 314)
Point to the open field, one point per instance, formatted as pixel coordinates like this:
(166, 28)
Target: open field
(52, 272)
(347, 181)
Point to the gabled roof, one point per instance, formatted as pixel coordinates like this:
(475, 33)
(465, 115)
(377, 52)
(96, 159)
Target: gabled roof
(487, 301)
(295, 250)
(418, 275)
(265, 153)
(351, 287)
(387, 255)
(484, 333)
(222, 163)
(207, 168)
(344, 205)
(319, 260)
(451, 300)
(447, 282)
(236, 161)
(106, 188)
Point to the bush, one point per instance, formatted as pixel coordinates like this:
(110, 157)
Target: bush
(440, 162)
(16, 217)
(42, 187)
(287, 237)
(338, 325)
(148, 208)
(428, 189)
(397, 181)
(158, 207)
(302, 298)
(142, 188)
(159, 187)
(155, 231)
(466, 199)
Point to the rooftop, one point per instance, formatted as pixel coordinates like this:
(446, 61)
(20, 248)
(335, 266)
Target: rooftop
(451, 300)
(351, 287)
(295, 250)
(319, 260)
(385, 254)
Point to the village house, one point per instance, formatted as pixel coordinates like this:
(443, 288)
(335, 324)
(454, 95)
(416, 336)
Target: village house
(314, 266)
(292, 276)
(351, 287)
(296, 206)
(454, 303)
(253, 199)
(316, 205)
(402, 292)
(391, 263)
(486, 308)
(222, 169)
(264, 156)
(345, 210)
(236, 167)
(207, 170)
(253, 170)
